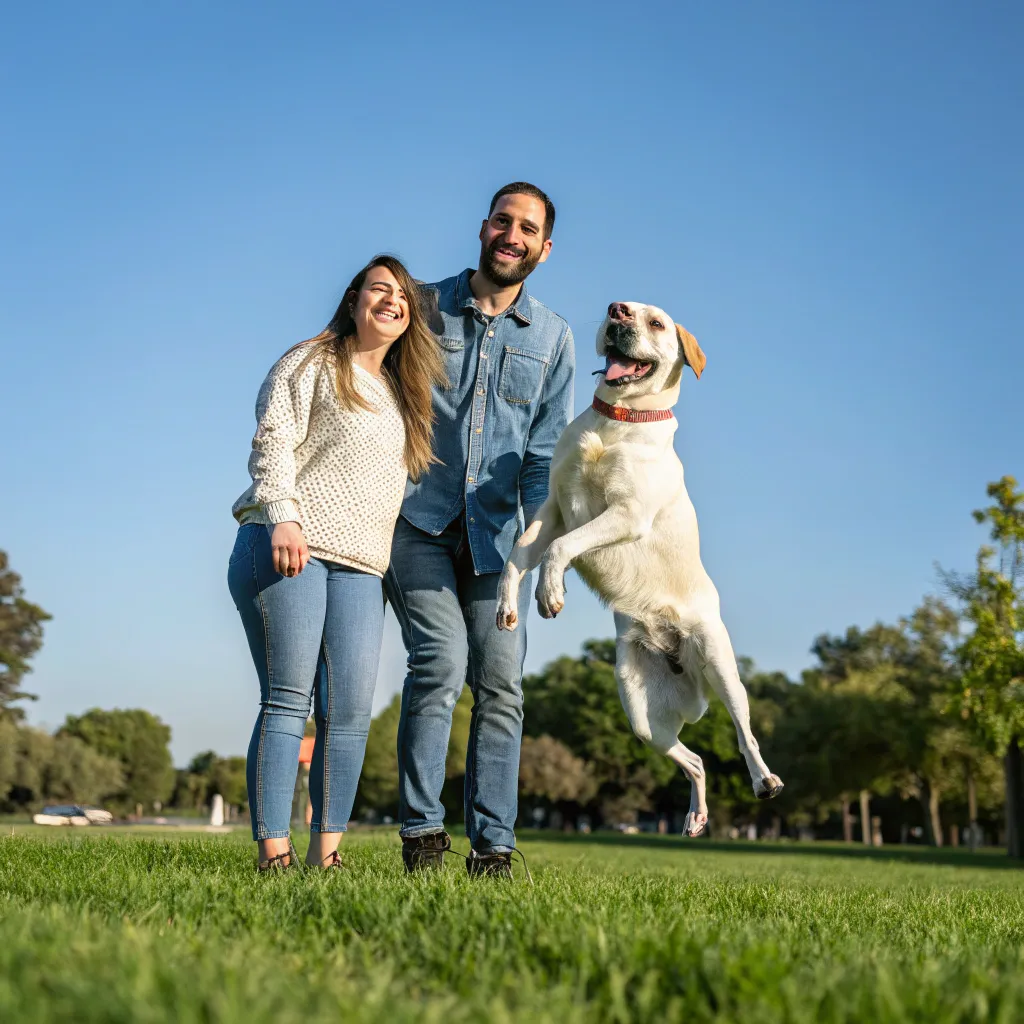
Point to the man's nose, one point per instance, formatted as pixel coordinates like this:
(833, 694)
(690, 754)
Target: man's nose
(513, 236)
(619, 311)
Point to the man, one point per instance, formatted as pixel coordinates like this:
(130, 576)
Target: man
(510, 364)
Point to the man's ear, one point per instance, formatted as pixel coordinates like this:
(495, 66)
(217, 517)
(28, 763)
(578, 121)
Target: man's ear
(692, 354)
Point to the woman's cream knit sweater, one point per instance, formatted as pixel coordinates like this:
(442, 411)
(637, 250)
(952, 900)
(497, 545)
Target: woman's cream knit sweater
(340, 474)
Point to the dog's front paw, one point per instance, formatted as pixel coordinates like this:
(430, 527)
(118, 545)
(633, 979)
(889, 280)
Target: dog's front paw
(508, 617)
(550, 594)
(508, 591)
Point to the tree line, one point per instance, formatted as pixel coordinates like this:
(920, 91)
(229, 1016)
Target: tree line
(915, 726)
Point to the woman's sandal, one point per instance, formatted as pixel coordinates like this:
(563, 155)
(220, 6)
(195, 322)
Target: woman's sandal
(286, 861)
(332, 862)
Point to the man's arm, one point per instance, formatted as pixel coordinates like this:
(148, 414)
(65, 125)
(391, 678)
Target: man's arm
(553, 415)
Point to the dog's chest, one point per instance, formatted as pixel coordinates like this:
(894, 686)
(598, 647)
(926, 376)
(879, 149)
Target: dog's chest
(582, 484)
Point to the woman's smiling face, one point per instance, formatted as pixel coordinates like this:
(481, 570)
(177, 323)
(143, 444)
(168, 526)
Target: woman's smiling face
(381, 308)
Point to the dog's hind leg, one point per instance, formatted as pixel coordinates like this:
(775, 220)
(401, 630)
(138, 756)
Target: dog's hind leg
(718, 663)
(658, 701)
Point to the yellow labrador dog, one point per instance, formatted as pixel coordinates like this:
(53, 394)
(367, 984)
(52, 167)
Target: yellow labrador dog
(619, 514)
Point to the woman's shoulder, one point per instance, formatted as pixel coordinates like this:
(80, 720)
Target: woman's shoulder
(307, 356)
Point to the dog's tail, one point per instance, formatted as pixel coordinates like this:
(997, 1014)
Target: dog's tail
(659, 638)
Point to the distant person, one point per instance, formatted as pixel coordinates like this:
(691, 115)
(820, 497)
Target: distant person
(509, 362)
(343, 420)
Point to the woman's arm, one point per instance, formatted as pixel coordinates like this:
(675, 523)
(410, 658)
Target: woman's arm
(283, 408)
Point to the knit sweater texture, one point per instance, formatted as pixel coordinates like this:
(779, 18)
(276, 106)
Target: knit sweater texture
(339, 473)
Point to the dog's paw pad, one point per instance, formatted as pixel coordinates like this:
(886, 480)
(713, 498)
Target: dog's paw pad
(769, 787)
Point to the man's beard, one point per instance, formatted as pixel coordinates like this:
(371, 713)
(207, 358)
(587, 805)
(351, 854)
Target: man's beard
(505, 274)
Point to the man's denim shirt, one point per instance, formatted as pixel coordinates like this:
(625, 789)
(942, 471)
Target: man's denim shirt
(508, 400)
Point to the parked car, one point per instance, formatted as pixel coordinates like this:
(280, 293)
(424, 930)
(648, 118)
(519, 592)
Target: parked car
(72, 814)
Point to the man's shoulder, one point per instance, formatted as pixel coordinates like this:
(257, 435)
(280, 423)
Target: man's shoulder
(441, 288)
(545, 319)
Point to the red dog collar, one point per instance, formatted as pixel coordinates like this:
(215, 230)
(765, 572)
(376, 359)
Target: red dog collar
(624, 415)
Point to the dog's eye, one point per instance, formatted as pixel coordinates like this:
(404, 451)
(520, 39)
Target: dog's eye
(657, 323)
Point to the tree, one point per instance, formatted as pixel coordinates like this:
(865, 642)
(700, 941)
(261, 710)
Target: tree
(207, 775)
(8, 747)
(549, 770)
(879, 696)
(136, 738)
(79, 774)
(21, 635)
(991, 687)
(37, 768)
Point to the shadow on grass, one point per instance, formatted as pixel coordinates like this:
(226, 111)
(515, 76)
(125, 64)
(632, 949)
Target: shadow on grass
(992, 858)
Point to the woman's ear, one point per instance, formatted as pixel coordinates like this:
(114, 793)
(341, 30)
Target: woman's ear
(692, 354)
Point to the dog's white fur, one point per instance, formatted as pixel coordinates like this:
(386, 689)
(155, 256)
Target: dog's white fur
(618, 512)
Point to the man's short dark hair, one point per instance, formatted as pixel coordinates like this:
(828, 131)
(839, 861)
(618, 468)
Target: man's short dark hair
(524, 188)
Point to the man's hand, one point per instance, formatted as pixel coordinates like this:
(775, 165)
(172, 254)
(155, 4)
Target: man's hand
(289, 549)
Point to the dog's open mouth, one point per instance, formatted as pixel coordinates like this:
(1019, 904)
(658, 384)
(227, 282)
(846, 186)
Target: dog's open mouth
(621, 369)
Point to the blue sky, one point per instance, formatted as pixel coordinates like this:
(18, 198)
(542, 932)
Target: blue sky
(828, 196)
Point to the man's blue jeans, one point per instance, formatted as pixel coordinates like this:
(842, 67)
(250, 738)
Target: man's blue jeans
(447, 615)
(312, 636)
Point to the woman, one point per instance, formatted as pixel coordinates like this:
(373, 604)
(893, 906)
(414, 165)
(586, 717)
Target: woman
(343, 419)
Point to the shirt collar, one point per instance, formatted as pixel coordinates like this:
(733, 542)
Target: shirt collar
(520, 309)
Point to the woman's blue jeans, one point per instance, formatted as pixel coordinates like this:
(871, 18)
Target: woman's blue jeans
(313, 637)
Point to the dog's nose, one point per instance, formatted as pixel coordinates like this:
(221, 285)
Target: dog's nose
(619, 311)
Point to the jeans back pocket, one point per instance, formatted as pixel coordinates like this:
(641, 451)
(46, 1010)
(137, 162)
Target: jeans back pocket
(245, 541)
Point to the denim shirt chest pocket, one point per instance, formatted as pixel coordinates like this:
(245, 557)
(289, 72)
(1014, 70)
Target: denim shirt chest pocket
(452, 352)
(521, 375)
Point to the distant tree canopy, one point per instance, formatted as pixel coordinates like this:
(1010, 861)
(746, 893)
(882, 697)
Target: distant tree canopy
(549, 769)
(990, 687)
(37, 768)
(136, 739)
(207, 775)
(21, 635)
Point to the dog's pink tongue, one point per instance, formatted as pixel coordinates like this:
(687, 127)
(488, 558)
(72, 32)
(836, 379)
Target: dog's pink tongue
(616, 368)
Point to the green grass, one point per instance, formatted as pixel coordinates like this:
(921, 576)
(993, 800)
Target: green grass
(639, 928)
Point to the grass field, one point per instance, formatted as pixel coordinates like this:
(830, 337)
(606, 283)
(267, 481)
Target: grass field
(636, 928)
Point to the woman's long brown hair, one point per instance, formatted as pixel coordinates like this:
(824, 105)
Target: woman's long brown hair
(412, 364)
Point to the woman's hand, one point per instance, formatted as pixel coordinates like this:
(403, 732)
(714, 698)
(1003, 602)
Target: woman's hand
(289, 549)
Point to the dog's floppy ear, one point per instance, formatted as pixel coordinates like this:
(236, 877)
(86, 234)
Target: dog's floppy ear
(692, 354)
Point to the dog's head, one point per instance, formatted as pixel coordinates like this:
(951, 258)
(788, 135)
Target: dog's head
(645, 350)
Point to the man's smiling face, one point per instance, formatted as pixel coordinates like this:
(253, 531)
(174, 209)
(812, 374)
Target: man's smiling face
(512, 240)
